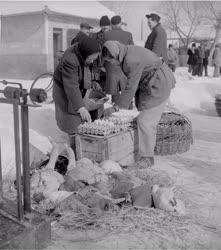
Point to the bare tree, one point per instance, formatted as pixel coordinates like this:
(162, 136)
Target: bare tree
(211, 14)
(183, 18)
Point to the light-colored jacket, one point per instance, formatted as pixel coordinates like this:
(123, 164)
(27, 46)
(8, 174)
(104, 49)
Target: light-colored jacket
(172, 56)
(136, 62)
(217, 57)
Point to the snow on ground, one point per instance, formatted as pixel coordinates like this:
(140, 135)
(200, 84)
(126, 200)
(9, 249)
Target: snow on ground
(196, 173)
(196, 94)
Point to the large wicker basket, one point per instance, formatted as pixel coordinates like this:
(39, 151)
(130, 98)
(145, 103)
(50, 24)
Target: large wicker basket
(174, 134)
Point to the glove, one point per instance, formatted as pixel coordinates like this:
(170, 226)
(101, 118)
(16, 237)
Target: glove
(107, 112)
(85, 115)
(96, 86)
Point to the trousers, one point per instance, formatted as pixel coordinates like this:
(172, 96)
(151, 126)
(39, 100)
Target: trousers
(147, 122)
(216, 72)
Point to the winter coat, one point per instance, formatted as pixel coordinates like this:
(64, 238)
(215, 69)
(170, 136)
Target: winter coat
(195, 56)
(117, 34)
(217, 57)
(136, 63)
(190, 59)
(68, 90)
(172, 56)
(206, 58)
(201, 55)
(157, 41)
(78, 37)
(115, 78)
(99, 36)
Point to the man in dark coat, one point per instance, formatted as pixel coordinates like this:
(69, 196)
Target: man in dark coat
(105, 26)
(117, 33)
(70, 84)
(200, 61)
(84, 31)
(115, 78)
(190, 61)
(196, 59)
(206, 58)
(157, 40)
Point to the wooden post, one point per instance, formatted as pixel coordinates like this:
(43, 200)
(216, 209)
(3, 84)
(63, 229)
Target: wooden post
(18, 160)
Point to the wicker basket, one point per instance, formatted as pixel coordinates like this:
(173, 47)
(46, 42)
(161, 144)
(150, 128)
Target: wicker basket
(174, 134)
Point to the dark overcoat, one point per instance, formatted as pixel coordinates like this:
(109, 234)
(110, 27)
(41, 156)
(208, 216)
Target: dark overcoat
(68, 91)
(78, 38)
(115, 78)
(190, 58)
(117, 34)
(157, 42)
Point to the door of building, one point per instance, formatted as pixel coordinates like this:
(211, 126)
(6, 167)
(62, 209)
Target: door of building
(57, 45)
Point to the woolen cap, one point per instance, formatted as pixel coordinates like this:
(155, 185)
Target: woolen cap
(115, 20)
(154, 17)
(85, 26)
(88, 46)
(105, 21)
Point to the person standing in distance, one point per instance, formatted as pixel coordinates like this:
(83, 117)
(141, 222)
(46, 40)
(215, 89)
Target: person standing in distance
(172, 58)
(105, 26)
(157, 40)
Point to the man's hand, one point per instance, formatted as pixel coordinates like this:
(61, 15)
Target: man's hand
(96, 86)
(107, 112)
(85, 115)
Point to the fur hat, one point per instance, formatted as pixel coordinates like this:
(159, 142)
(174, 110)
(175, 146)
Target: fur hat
(105, 21)
(88, 46)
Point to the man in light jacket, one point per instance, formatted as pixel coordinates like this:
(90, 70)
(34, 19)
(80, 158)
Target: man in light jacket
(157, 40)
(172, 57)
(150, 80)
(217, 60)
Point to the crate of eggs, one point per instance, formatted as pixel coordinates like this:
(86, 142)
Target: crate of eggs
(104, 127)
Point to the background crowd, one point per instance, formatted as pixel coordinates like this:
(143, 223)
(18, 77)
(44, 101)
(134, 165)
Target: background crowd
(199, 59)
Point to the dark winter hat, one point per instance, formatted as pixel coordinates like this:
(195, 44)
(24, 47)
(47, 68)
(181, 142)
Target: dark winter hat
(88, 46)
(105, 21)
(115, 20)
(154, 17)
(85, 26)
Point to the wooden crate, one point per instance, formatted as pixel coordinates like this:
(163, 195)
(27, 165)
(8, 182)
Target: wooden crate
(122, 147)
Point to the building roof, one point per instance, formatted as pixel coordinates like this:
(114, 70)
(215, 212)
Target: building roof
(87, 9)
